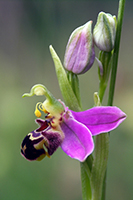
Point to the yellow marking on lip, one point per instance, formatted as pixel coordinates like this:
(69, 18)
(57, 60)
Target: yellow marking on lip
(34, 138)
(41, 157)
(24, 148)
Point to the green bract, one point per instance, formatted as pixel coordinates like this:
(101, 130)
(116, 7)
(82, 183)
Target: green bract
(65, 87)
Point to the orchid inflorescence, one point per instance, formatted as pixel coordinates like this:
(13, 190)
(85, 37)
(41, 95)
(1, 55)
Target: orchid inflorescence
(65, 124)
(62, 127)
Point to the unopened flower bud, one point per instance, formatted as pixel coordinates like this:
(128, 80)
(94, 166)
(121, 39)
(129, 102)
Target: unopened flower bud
(104, 32)
(80, 55)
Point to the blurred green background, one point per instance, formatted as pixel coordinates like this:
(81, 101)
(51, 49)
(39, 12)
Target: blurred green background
(27, 28)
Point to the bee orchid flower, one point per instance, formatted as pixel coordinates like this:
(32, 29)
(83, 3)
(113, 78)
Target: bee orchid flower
(62, 127)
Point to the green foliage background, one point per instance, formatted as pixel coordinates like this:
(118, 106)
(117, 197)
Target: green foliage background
(27, 28)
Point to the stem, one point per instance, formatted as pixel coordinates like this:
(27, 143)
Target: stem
(102, 88)
(99, 165)
(86, 187)
(85, 166)
(104, 186)
(74, 82)
(99, 170)
(105, 59)
(116, 51)
(114, 69)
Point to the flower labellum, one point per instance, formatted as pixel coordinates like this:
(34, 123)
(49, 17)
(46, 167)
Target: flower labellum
(80, 54)
(104, 32)
(72, 131)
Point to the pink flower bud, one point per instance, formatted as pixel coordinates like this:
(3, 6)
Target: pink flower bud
(80, 54)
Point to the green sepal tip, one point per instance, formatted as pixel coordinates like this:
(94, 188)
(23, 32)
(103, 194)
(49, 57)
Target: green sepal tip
(65, 87)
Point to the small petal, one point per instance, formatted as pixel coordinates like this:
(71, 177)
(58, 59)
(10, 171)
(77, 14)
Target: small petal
(78, 142)
(100, 119)
(44, 124)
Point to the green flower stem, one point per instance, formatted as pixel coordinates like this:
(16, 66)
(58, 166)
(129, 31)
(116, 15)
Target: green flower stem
(116, 51)
(114, 66)
(85, 180)
(99, 165)
(101, 141)
(98, 178)
(105, 59)
(100, 154)
(85, 166)
(102, 88)
(74, 82)
(104, 186)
